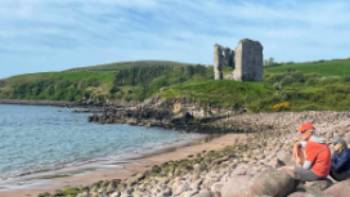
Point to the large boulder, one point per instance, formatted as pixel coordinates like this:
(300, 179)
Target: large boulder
(304, 194)
(235, 186)
(284, 157)
(317, 186)
(270, 182)
(340, 189)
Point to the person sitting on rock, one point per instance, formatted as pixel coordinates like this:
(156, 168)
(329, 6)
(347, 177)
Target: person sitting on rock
(312, 155)
(340, 169)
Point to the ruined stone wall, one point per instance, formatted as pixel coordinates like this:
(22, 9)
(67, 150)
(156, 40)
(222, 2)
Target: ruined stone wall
(218, 62)
(222, 57)
(248, 61)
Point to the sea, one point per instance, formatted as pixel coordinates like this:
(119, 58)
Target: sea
(37, 139)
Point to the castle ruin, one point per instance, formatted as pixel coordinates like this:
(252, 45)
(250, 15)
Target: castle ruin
(246, 59)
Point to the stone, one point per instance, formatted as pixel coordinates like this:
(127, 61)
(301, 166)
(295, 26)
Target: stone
(272, 182)
(181, 189)
(285, 157)
(347, 137)
(83, 194)
(204, 194)
(248, 61)
(135, 179)
(235, 186)
(189, 193)
(115, 194)
(304, 194)
(110, 188)
(216, 187)
(316, 186)
(340, 189)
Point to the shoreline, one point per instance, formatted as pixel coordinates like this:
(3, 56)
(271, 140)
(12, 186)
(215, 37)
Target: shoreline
(38, 103)
(127, 169)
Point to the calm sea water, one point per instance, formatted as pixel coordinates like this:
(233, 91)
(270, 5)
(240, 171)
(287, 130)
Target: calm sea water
(39, 138)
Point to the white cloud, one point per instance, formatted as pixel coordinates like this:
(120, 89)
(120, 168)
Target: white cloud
(168, 29)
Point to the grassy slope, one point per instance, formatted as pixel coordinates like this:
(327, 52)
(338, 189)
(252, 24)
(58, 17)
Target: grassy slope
(322, 85)
(127, 65)
(324, 68)
(117, 81)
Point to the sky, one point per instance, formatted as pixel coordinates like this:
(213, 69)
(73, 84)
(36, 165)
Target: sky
(53, 35)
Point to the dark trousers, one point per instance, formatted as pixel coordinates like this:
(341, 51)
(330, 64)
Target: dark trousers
(339, 176)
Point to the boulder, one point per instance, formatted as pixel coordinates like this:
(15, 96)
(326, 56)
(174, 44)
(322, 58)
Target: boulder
(340, 189)
(234, 186)
(304, 194)
(347, 137)
(285, 158)
(271, 182)
(317, 186)
(204, 194)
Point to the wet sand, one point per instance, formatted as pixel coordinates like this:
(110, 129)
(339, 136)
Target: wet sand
(125, 170)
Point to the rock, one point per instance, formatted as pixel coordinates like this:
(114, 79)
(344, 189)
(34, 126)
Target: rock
(317, 186)
(272, 183)
(83, 194)
(304, 194)
(196, 185)
(340, 189)
(217, 187)
(189, 193)
(181, 189)
(240, 170)
(136, 178)
(347, 137)
(204, 194)
(235, 185)
(124, 194)
(110, 188)
(285, 157)
(115, 194)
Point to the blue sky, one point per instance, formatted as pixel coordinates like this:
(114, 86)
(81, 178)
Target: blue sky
(50, 35)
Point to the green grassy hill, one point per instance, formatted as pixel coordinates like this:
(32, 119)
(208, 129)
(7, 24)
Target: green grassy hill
(131, 64)
(325, 68)
(129, 81)
(321, 85)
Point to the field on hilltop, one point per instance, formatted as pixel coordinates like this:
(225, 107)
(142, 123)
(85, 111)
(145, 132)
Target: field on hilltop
(320, 85)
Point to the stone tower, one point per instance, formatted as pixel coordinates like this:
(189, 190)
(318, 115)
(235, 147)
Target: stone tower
(218, 62)
(248, 61)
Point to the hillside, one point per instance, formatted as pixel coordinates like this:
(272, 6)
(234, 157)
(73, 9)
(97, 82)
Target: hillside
(129, 81)
(131, 64)
(321, 85)
(339, 67)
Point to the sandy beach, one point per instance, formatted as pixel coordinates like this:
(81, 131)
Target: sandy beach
(124, 171)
